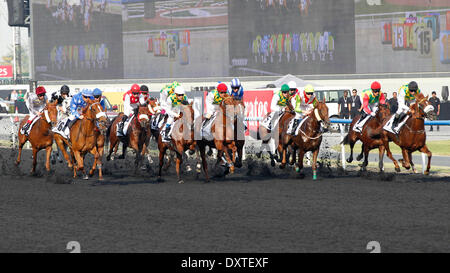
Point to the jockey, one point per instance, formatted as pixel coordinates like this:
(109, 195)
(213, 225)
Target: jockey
(130, 104)
(64, 100)
(371, 99)
(173, 101)
(237, 91)
(77, 103)
(304, 104)
(292, 89)
(143, 99)
(165, 92)
(214, 98)
(35, 103)
(405, 98)
(98, 97)
(279, 102)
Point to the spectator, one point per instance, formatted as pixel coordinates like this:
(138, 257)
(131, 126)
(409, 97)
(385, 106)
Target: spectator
(393, 103)
(20, 96)
(385, 96)
(13, 96)
(344, 108)
(356, 105)
(434, 100)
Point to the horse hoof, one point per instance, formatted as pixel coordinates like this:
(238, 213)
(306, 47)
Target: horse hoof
(359, 158)
(426, 173)
(397, 169)
(272, 163)
(180, 182)
(101, 179)
(282, 166)
(349, 160)
(258, 155)
(85, 177)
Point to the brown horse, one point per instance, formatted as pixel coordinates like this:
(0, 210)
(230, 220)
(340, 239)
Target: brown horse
(137, 135)
(370, 136)
(224, 131)
(309, 137)
(84, 138)
(266, 135)
(412, 136)
(41, 135)
(182, 139)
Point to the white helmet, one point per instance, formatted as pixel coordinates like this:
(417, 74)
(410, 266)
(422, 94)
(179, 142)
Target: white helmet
(292, 85)
(179, 90)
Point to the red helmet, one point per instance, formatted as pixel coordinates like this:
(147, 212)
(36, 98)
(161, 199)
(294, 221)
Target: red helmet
(135, 88)
(375, 85)
(40, 90)
(222, 87)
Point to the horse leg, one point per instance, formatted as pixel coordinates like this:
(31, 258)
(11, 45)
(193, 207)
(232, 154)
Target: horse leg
(314, 163)
(80, 165)
(283, 158)
(293, 153)
(48, 151)
(112, 147)
(124, 150)
(424, 149)
(239, 154)
(177, 167)
(405, 160)
(228, 159)
(162, 152)
(301, 154)
(380, 159)
(204, 163)
(22, 141)
(389, 154)
(360, 156)
(33, 168)
(411, 162)
(94, 152)
(62, 148)
(366, 151)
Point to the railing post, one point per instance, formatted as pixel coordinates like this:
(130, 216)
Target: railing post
(423, 163)
(341, 130)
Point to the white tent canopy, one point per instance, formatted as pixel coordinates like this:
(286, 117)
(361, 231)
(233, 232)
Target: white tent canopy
(287, 78)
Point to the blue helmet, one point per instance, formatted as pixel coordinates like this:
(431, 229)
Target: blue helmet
(87, 92)
(235, 83)
(97, 92)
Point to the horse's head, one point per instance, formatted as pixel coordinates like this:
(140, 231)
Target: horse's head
(383, 112)
(144, 116)
(51, 113)
(95, 112)
(321, 113)
(422, 108)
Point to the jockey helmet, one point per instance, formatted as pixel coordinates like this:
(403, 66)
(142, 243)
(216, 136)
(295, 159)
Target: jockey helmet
(375, 86)
(144, 89)
(174, 84)
(64, 89)
(235, 83)
(86, 92)
(292, 85)
(179, 90)
(412, 86)
(135, 88)
(309, 89)
(40, 90)
(285, 88)
(222, 88)
(97, 92)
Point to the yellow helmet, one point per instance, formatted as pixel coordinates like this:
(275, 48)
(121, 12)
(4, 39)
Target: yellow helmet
(309, 89)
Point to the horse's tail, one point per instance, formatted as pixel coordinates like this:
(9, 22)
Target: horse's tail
(346, 139)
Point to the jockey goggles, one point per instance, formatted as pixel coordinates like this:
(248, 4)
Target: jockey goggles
(97, 96)
(135, 93)
(376, 90)
(309, 93)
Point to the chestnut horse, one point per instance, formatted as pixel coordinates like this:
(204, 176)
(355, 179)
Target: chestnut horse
(224, 131)
(266, 135)
(182, 138)
(137, 135)
(370, 136)
(309, 137)
(412, 136)
(84, 138)
(41, 135)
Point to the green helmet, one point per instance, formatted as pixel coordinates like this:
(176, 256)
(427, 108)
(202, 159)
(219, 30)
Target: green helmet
(285, 88)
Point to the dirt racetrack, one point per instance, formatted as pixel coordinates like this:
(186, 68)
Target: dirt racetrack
(258, 209)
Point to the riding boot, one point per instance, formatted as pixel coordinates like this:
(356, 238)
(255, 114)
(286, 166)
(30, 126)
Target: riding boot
(294, 127)
(397, 119)
(122, 124)
(25, 128)
(166, 133)
(357, 125)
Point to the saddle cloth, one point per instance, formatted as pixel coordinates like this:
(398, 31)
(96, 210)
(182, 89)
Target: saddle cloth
(297, 130)
(125, 127)
(265, 123)
(360, 124)
(31, 125)
(206, 127)
(388, 126)
(59, 128)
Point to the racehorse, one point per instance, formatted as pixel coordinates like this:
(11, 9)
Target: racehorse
(85, 139)
(40, 136)
(309, 137)
(411, 136)
(137, 134)
(370, 136)
(225, 132)
(266, 135)
(182, 138)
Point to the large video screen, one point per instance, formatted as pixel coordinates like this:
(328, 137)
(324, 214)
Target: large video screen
(291, 36)
(77, 40)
